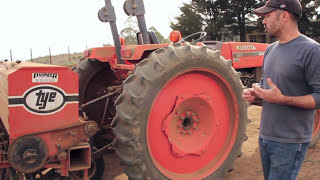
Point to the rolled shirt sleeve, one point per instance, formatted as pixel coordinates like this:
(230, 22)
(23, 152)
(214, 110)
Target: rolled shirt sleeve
(313, 73)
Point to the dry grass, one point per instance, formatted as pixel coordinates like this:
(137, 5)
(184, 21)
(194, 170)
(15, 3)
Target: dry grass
(61, 59)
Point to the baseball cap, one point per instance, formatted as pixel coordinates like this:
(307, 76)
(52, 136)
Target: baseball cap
(292, 6)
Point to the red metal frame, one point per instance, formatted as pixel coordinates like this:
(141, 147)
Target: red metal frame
(19, 115)
(250, 54)
(131, 54)
(60, 129)
(243, 54)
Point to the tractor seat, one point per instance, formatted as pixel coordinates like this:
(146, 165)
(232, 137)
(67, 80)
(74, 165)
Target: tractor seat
(152, 36)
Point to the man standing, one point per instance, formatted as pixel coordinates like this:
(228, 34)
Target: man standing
(289, 89)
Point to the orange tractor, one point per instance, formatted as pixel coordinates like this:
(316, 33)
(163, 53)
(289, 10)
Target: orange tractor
(171, 111)
(176, 110)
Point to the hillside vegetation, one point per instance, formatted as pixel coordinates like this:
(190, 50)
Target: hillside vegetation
(61, 59)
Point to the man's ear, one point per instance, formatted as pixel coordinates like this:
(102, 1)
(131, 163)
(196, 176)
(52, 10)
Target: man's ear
(285, 16)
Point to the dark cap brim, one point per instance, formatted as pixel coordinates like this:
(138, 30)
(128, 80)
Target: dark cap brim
(263, 10)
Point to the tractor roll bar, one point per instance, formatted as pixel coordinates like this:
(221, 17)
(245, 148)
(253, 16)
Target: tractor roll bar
(131, 8)
(136, 8)
(107, 14)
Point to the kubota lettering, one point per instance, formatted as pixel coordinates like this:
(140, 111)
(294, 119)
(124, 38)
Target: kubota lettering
(246, 47)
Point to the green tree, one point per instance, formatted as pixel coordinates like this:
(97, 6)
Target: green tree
(310, 20)
(190, 21)
(130, 32)
(233, 17)
(130, 35)
(218, 16)
(213, 22)
(240, 12)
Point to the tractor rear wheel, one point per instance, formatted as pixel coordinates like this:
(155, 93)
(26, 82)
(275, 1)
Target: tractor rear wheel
(181, 116)
(94, 79)
(316, 130)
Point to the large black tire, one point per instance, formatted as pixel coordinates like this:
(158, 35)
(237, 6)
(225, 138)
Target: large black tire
(94, 79)
(99, 169)
(134, 107)
(316, 130)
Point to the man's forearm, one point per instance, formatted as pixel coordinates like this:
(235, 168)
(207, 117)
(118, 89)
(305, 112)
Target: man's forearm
(306, 102)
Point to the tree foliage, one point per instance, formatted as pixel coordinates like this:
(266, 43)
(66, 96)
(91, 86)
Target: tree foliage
(310, 21)
(217, 16)
(223, 18)
(240, 12)
(131, 30)
(189, 22)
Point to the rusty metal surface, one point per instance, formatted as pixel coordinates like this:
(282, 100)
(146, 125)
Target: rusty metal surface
(62, 139)
(79, 157)
(32, 152)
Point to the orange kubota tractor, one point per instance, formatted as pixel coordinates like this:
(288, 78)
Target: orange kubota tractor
(171, 111)
(176, 109)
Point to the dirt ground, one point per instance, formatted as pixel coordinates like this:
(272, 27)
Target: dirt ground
(247, 167)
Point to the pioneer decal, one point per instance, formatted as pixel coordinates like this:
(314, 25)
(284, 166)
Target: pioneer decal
(44, 77)
(43, 99)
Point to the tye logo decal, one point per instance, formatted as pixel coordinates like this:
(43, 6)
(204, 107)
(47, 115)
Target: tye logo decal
(44, 98)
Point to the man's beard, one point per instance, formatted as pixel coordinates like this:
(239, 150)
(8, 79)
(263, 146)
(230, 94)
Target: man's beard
(272, 35)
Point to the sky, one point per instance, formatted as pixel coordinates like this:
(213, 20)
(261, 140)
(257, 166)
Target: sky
(40, 24)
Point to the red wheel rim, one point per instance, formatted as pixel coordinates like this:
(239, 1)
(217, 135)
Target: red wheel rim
(194, 98)
(316, 125)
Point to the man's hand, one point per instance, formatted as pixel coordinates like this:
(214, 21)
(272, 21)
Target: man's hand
(271, 95)
(249, 95)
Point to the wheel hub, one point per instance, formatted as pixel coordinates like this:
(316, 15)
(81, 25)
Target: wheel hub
(185, 131)
(188, 122)
(30, 156)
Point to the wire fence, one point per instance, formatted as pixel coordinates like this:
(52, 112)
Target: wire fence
(61, 59)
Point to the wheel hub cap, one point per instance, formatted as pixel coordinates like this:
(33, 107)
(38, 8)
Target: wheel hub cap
(183, 126)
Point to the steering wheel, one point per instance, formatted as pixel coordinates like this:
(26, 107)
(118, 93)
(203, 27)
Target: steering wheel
(201, 35)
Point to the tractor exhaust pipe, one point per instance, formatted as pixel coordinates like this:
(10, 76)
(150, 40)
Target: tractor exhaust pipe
(107, 14)
(79, 157)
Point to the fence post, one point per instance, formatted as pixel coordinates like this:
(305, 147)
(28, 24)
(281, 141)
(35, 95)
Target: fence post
(31, 54)
(50, 55)
(69, 54)
(11, 55)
